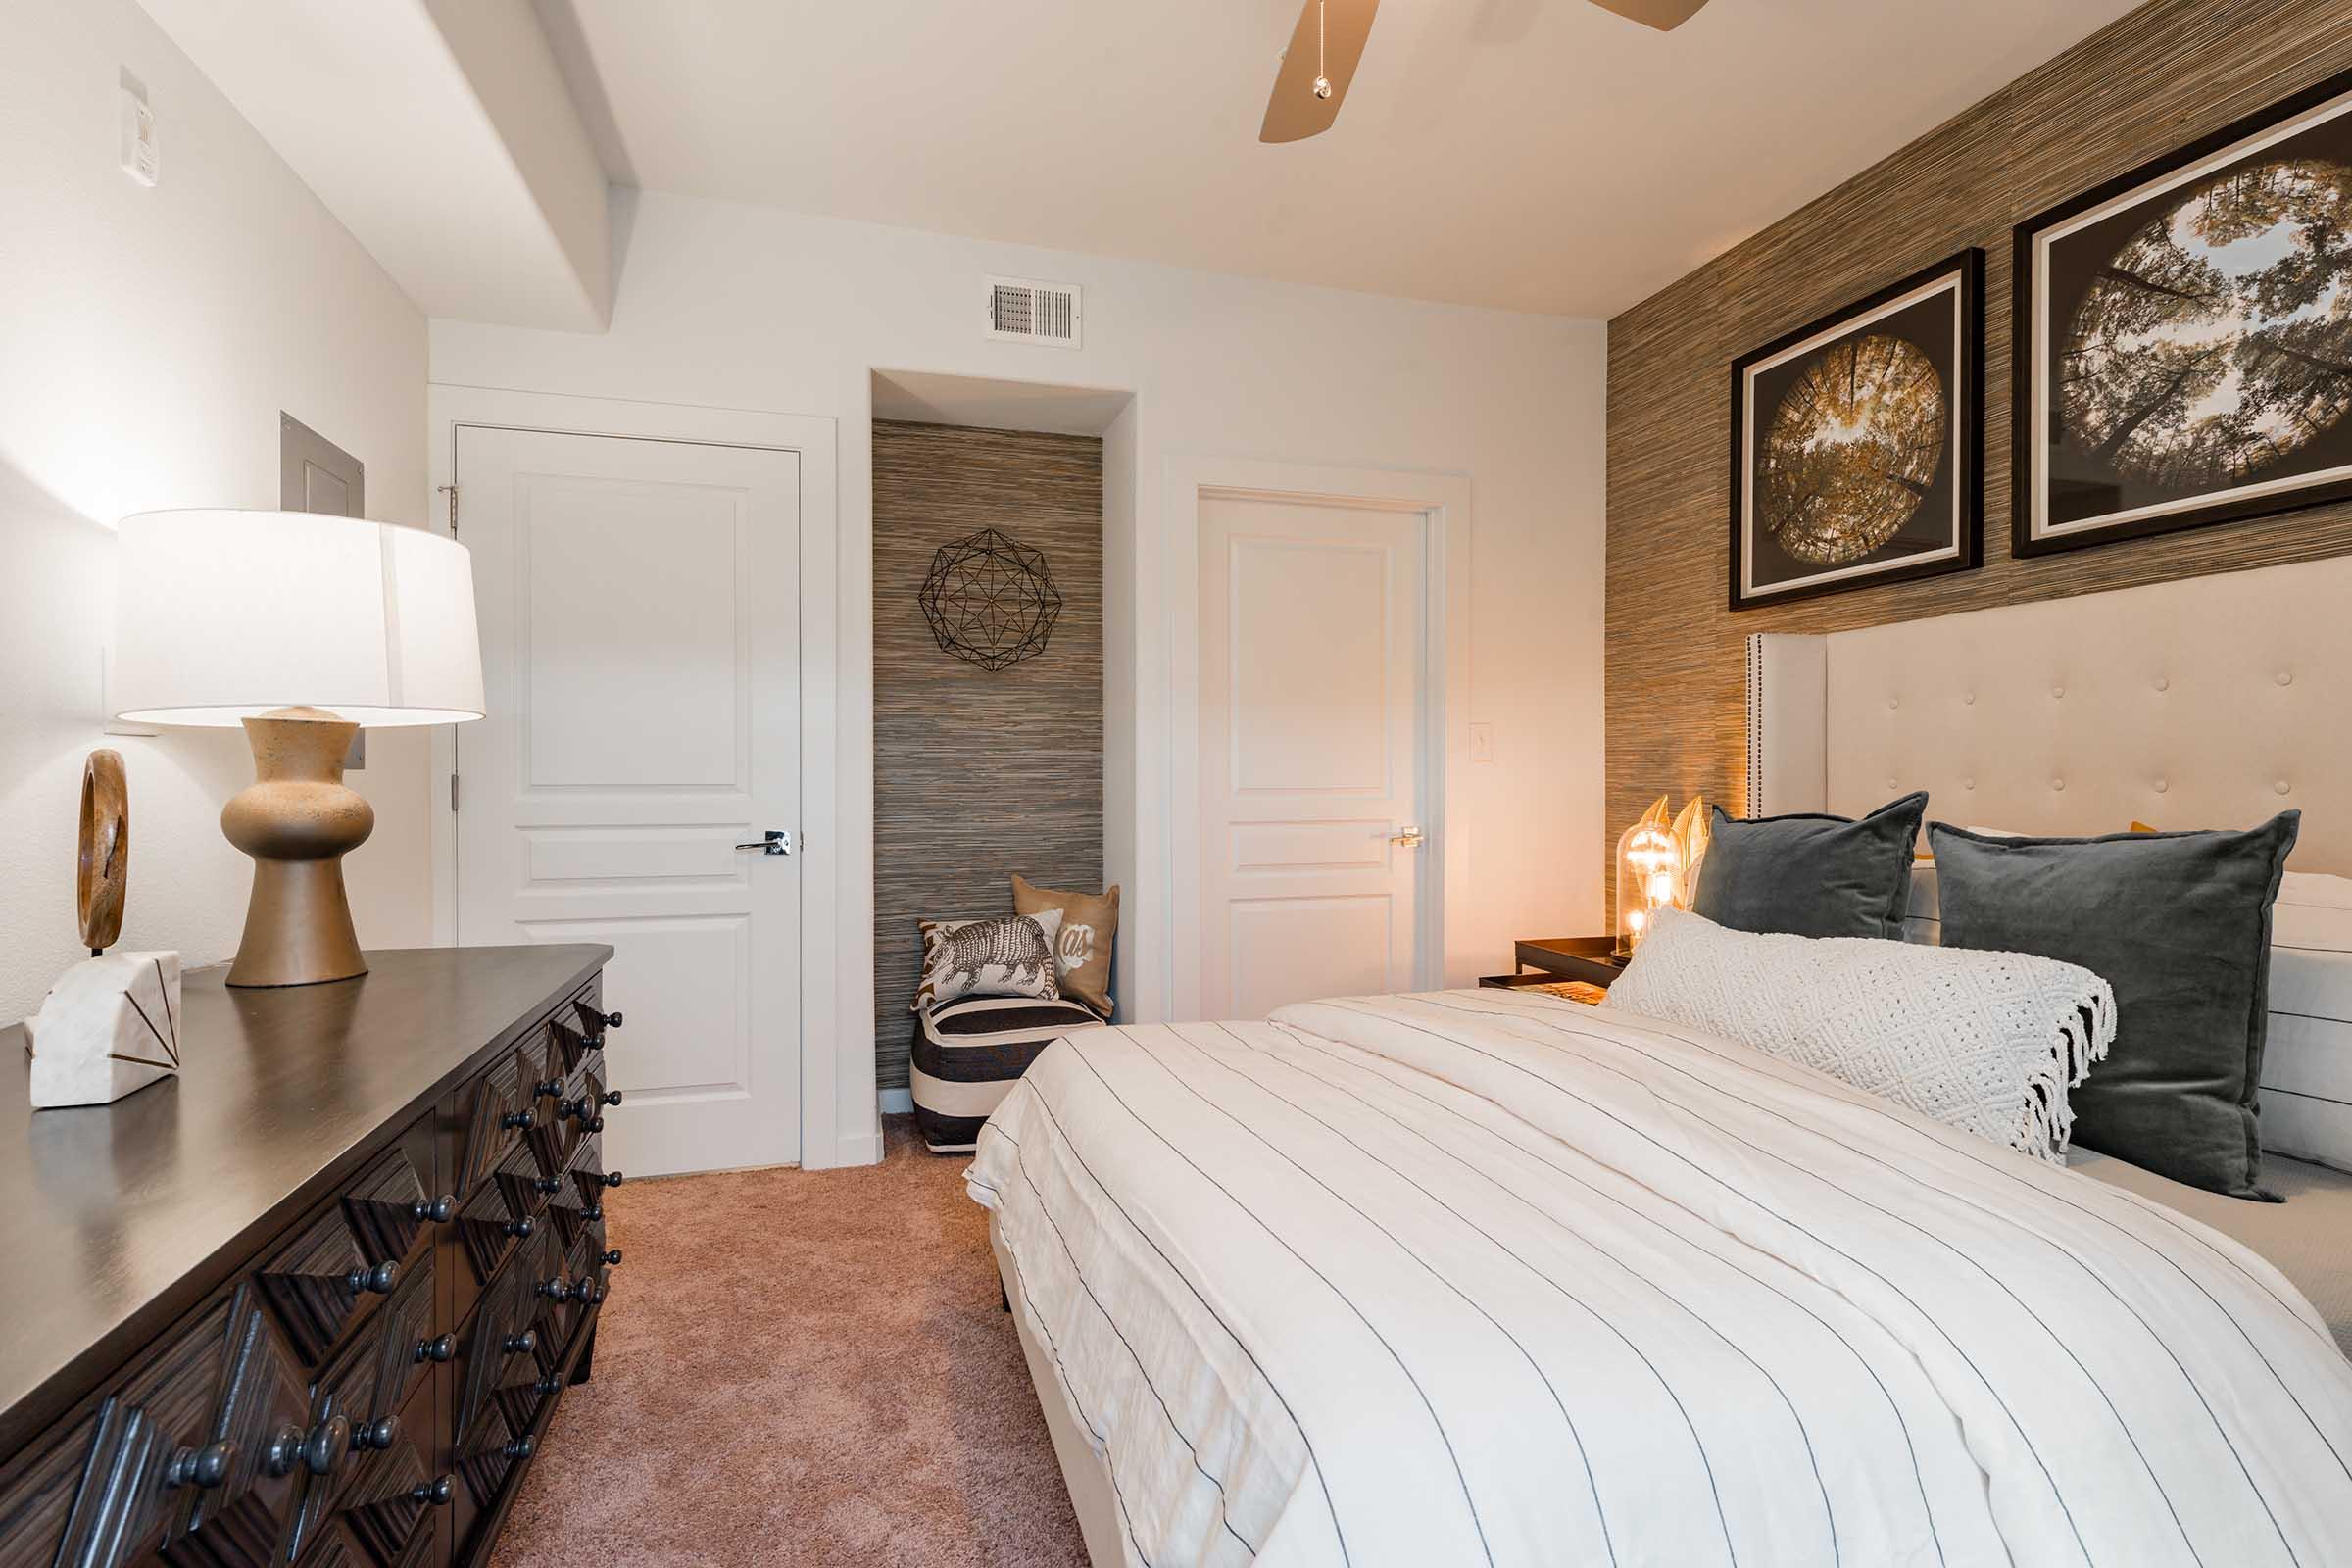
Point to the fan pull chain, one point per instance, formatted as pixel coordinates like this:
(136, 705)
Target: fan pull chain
(1322, 81)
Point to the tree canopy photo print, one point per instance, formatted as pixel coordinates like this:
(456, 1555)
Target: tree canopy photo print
(2187, 338)
(1852, 450)
(1855, 442)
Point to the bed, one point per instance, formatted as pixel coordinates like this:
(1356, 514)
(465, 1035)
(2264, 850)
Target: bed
(1488, 1277)
(1480, 1277)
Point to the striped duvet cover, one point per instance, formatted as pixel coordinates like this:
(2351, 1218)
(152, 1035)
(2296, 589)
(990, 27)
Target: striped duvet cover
(1482, 1278)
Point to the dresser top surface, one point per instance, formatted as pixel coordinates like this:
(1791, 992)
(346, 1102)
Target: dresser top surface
(116, 1218)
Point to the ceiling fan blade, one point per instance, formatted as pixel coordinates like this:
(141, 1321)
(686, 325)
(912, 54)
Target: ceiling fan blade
(1663, 15)
(1294, 113)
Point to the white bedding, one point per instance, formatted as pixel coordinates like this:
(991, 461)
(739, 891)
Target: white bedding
(1488, 1278)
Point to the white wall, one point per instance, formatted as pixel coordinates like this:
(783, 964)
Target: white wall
(749, 308)
(148, 340)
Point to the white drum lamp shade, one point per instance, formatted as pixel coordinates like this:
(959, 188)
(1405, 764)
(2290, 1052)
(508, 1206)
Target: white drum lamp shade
(225, 615)
(302, 628)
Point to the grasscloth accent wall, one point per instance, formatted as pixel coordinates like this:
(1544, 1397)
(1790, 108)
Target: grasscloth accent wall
(977, 774)
(2162, 76)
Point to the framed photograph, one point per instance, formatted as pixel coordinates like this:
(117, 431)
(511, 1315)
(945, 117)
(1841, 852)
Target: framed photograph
(1857, 443)
(2184, 336)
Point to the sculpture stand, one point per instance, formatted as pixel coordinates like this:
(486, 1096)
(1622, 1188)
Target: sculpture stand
(109, 1026)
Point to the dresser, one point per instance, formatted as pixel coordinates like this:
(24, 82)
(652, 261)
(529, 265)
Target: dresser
(315, 1300)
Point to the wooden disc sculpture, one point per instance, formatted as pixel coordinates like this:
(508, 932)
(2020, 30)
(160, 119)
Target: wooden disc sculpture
(103, 872)
(111, 1023)
(991, 600)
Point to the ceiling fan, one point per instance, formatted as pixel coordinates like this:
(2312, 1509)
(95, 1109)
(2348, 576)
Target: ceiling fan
(1329, 40)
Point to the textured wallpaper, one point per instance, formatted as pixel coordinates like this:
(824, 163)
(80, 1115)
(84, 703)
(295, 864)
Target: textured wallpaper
(2163, 76)
(979, 774)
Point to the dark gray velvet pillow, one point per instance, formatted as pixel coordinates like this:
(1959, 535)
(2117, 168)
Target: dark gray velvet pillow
(1811, 875)
(2179, 926)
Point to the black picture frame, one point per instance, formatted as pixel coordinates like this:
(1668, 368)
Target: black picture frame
(2139, 196)
(1958, 543)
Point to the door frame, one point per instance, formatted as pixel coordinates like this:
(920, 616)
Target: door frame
(822, 1045)
(1443, 502)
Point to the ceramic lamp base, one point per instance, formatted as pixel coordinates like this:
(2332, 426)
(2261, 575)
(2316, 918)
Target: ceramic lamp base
(297, 820)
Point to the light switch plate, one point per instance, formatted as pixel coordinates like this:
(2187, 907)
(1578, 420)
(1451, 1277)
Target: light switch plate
(1482, 743)
(140, 159)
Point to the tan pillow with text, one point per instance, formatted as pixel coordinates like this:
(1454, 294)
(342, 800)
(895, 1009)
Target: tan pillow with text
(1090, 925)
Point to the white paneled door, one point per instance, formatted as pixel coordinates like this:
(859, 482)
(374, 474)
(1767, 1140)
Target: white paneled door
(640, 651)
(1311, 702)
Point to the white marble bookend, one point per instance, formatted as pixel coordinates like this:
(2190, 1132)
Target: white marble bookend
(109, 1026)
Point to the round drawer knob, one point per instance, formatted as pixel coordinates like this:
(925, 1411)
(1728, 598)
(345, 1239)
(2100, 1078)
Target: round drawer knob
(593, 1214)
(520, 1229)
(283, 1453)
(547, 1388)
(554, 1290)
(440, 1349)
(376, 1281)
(548, 1089)
(612, 1178)
(547, 1186)
(611, 1097)
(437, 1210)
(522, 1344)
(517, 1121)
(206, 1467)
(378, 1435)
(611, 1259)
(522, 1447)
(327, 1443)
(433, 1493)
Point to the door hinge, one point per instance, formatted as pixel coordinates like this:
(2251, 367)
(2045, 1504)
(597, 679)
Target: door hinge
(451, 491)
(453, 792)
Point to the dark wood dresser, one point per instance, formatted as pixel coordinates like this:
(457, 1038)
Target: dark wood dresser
(313, 1301)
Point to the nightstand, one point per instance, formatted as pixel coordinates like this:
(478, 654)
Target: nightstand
(1557, 958)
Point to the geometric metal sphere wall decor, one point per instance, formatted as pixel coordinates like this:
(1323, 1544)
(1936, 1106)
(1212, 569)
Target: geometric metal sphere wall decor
(990, 600)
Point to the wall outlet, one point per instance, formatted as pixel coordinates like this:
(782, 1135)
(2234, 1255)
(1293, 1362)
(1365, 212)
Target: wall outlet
(140, 160)
(1482, 743)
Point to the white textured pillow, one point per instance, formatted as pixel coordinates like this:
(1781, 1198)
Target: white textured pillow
(1985, 1042)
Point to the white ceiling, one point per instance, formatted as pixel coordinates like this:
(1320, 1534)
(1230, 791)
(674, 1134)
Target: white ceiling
(1540, 155)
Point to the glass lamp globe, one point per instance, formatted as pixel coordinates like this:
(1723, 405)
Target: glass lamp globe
(1649, 875)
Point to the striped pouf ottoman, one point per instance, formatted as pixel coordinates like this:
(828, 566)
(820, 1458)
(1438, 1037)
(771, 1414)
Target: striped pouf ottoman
(969, 1053)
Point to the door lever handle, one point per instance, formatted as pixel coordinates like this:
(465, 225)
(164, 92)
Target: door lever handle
(1408, 836)
(774, 841)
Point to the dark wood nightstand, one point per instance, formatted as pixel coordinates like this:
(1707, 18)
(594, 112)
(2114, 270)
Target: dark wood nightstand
(1557, 958)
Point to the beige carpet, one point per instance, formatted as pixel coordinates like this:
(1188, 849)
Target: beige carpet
(801, 1367)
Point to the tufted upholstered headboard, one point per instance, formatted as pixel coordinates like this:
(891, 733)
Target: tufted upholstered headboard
(2205, 701)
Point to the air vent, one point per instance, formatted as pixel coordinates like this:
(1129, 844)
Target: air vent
(1028, 312)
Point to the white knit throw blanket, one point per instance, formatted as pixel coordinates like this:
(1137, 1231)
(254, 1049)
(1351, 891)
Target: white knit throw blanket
(1985, 1042)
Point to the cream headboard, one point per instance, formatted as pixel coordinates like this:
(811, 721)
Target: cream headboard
(2207, 701)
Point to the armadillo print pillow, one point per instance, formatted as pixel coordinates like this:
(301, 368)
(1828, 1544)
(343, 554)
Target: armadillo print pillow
(1011, 955)
(1090, 928)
